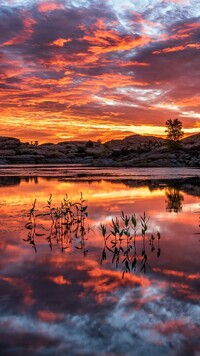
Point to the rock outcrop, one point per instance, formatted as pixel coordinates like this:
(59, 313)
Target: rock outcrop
(132, 151)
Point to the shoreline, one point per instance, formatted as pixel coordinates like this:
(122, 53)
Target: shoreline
(133, 151)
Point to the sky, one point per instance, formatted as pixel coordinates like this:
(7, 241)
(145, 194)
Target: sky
(98, 69)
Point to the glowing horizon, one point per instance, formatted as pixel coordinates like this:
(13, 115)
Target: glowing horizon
(88, 69)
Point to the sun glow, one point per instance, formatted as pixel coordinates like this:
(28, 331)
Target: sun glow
(96, 75)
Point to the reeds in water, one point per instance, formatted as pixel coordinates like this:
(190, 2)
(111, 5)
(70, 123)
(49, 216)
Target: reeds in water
(120, 242)
(67, 223)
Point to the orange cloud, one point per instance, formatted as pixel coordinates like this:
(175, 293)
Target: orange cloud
(49, 6)
(186, 31)
(103, 83)
(134, 63)
(60, 280)
(178, 48)
(104, 40)
(107, 80)
(178, 274)
(103, 281)
(188, 102)
(60, 42)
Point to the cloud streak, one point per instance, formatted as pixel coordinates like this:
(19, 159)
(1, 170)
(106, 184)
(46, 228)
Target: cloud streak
(97, 63)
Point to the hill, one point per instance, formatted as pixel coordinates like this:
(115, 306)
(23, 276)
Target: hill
(132, 151)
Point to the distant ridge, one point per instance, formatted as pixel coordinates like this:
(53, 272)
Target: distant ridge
(132, 151)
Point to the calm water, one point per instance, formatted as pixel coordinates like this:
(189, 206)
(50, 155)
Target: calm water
(61, 300)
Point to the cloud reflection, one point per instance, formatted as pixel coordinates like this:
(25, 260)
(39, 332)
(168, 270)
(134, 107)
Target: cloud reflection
(54, 302)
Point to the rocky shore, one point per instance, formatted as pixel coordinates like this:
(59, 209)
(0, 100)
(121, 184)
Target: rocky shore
(133, 151)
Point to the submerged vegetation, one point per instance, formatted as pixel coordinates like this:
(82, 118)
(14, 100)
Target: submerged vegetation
(65, 225)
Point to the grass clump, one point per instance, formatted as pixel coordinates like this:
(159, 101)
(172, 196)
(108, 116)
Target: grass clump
(121, 240)
(67, 224)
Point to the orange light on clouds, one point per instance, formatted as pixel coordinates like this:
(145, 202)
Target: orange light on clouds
(60, 42)
(46, 6)
(60, 280)
(178, 48)
(69, 72)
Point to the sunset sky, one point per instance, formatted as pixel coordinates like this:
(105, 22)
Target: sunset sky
(98, 69)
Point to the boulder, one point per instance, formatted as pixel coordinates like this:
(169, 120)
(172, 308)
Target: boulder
(9, 142)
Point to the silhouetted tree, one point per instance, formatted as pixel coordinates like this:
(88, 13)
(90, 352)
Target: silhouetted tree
(174, 132)
(174, 200)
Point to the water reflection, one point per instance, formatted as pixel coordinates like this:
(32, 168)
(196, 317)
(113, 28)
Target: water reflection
(9, 181)
(61, 303)
(174, 200)
(174, 188)
(64, 224)
(121, 242)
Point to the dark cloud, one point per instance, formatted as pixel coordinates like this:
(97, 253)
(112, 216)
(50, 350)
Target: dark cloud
(11, 23)
(87, 57)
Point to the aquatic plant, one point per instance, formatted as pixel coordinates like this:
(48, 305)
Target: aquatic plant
(198, 233)
(67, 223)
(66, 226)
(120, 241)
(31, 226)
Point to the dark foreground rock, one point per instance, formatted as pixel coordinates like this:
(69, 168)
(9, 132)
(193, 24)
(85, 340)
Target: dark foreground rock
(133, 151)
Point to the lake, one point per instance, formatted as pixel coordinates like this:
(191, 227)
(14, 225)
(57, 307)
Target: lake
(69, 290)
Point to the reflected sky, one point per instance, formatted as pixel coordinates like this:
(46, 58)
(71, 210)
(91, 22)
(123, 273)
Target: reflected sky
(55, 302)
